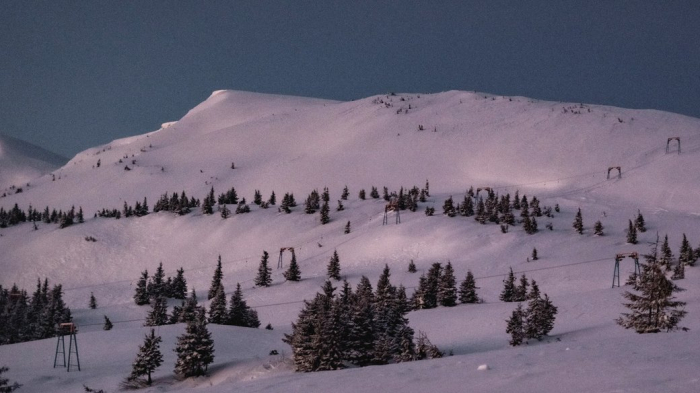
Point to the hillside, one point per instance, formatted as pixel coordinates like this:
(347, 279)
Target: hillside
(557, 152)
(21, 162)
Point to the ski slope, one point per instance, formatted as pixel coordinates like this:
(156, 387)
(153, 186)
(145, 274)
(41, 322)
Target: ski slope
(21, 162)
(559, 152)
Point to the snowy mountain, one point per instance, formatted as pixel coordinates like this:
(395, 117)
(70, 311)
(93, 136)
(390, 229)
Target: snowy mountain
(558, 152)
(21, 162)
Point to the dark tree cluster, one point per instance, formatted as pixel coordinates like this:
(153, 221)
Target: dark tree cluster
(497, 209)
(363, 327)
(138, 210)
(24, 319)
(288, 203)
(17, 216)
(148, 288)
(175, 203)
(439, 288)
(654, 307)
(535, 322)
(517, 293)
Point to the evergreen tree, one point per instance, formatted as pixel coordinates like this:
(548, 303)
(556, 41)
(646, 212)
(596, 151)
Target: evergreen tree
(239, 314)
(374, 193)
(534, 254)
(347, 228)
(333, 269)
(325, 219)
(578, 222)
(467, 289)
(631, 233)
(178, 288)
(225, 212)
(448, 208)
(345, 194)
(425, 349)
(5, 386)
(516, 326)
(539, 317)
(666, 258)
(426, 295)
(156, 287)
(678, 272)
(598, 229)
(190, 308)
(257, 198)
(654, 309)
(639, 222)
(148, 358)
(293, 273)
(509, 291)
(108, 324)
(159, 313)
(195, 349)
(411, 267)
(264, 277)
(534, 291)
(521, 289)
(216, 280)
(217, 308)
(361, 194)
(93, 301)
(447, 291)
(686, 256)
(273, 199)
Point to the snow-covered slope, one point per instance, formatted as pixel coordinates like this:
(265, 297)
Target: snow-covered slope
(21, 162)
(559, 152)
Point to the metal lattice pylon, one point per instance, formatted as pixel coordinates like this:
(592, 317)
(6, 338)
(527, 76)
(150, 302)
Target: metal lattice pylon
(673, 138)
(69, 329)
(616, 269)
(282, 250)
(392, 206)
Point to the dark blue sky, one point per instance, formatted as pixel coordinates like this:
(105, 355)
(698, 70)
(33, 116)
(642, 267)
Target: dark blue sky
(74, 74)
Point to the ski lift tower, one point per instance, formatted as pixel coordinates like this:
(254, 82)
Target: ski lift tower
(70, 330)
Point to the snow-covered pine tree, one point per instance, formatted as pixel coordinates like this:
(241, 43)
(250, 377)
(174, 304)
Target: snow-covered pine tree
(273, 199)
(108, 324)
(333, 269)
(141, 296)
(631, 233)
(148, 358)
(190, 308)
(216, 280)
(427, 292)
(293, 273)
(467, 289)
(195, 348)
(678, 272)
(448, 207)
(639, 222)
(347, 228)
(5, 386)
(411, 267)
(156, 287)
(374, 193)
(178, 288)
(534, 254)
(264, 277)
(239, 314)
(345, 194)
(362, 194)
(225, 212)
(521, 290)
(257, 198)
(598, 229)
(340, 206)
(425, 349)
(654, 309)
(686, 256)
(539, 317)
(508, 294)
(325, 218)
(159, 312)
(666, 257)
(93, 302)
(534, 291)
(578, 222)
(516, 326)
(447, 291)
(217, 307)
